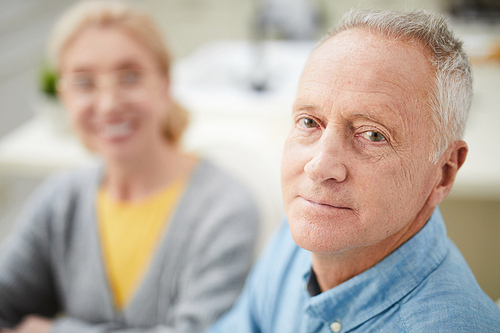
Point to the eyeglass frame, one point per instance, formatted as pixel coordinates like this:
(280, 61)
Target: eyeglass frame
(126, 91)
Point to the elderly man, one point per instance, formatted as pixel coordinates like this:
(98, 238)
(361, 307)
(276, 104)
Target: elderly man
(375, 147)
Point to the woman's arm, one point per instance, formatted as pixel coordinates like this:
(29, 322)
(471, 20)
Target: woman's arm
(26, 281)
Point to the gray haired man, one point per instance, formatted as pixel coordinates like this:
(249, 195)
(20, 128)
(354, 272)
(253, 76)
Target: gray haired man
(376, 144)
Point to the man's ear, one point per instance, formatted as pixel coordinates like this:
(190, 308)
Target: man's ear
(453, 159)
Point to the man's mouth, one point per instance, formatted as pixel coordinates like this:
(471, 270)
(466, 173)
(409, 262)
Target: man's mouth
(325, 203)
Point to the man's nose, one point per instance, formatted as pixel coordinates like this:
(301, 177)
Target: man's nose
(326, 162)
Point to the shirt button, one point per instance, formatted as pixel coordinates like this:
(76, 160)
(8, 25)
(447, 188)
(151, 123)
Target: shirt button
(335, 326)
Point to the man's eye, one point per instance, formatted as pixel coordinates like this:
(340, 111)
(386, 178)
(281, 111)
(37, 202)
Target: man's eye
(308, 123)
(373, 136)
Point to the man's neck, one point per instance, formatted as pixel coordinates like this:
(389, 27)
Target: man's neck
(332, 269)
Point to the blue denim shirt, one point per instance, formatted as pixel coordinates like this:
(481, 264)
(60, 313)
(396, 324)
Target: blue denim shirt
(423, 286)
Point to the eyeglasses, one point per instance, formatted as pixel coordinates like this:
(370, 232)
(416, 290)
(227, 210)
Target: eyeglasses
(131, 85)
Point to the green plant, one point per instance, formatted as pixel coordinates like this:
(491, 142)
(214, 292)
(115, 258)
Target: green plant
(48, 81)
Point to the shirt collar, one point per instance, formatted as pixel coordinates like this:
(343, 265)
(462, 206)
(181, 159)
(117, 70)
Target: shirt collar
(378, 288)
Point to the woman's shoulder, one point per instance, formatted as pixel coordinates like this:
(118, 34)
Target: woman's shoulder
(217, 205)
(215, 193)
(210, 177)
(51, 206)
(64, 182)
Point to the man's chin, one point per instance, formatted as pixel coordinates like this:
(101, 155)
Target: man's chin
(320, 238)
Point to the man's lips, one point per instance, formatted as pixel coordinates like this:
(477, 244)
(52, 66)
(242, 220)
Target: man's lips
(325, 203)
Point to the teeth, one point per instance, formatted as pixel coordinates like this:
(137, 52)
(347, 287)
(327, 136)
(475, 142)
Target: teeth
(117, 130)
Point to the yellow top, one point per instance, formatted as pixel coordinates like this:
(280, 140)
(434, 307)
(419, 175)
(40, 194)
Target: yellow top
(129, 234)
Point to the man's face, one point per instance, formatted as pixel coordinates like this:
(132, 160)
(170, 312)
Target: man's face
(356, 169)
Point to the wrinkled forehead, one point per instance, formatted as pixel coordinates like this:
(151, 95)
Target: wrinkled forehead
(363, 73)
(356, 60)
(372, 53)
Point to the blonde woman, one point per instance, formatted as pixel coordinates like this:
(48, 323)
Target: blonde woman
(152, 239)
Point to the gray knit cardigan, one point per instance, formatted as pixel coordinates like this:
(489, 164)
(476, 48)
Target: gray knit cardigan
(51, 265)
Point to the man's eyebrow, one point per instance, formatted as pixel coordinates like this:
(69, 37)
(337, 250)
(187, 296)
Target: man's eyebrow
(305, 107)
(367, 116)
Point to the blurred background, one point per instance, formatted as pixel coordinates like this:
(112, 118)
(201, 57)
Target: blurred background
(236, 67)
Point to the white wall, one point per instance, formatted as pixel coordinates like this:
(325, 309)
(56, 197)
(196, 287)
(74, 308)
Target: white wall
(191, 23)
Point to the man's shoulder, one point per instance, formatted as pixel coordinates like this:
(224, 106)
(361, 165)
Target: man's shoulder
(454, 313)
(278, 273)
(282, 256)
(273, 298)
(449, 298)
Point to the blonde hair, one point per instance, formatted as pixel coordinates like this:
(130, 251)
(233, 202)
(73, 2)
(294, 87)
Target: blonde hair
(138, 24)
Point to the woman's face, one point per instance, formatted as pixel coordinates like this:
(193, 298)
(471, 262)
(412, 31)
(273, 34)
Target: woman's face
(115, 93)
